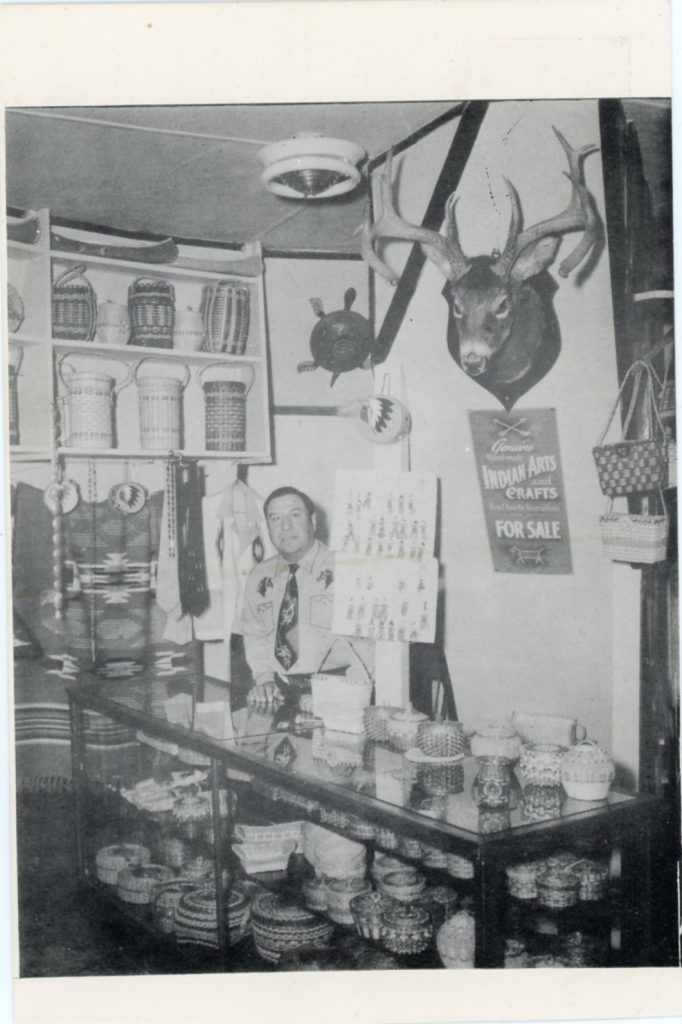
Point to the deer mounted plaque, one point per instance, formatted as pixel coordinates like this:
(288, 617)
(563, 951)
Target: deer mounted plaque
(502, 328)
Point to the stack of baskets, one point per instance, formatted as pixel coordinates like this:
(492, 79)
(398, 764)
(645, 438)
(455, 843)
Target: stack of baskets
(74, 306)
(151, 307)
(225, 309)
(111, 860)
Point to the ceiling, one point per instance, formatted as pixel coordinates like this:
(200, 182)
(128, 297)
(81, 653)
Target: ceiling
(193, 172)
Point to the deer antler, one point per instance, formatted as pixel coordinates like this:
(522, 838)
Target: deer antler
(580, 215)
(445, 253)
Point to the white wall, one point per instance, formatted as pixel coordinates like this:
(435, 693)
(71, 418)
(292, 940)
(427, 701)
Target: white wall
(309, 449)
(514, 641)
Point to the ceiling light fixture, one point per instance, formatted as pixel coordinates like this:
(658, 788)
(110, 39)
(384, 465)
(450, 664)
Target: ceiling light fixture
(311, 166)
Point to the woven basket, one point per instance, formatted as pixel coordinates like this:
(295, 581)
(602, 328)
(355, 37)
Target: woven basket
(629, 537)
(557, 889)
(15, 309)
(166, 901)
(140, 884)
(587, 772)
(151, 306)
(111, 860)
(225, 309)
(225, 404)
(88, 408)
(13, 405)
(74, 306)
(376, 719)
(160, 405)
(441, 739)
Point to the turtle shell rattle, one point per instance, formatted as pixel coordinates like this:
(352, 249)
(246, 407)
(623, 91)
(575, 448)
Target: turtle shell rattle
(341, 341)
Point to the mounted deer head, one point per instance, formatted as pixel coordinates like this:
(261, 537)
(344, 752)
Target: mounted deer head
(502, 329)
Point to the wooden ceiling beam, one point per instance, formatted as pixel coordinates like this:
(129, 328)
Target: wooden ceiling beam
(448, 180)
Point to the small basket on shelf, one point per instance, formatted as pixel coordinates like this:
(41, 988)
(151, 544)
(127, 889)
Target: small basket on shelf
(151, 307)
(225, 405)
(557, 887)
(587, 771)
(74, 306)
(225, 309)
(139, 884)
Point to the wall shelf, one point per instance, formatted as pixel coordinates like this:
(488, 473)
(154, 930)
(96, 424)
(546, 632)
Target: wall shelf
(134, 352)
(38, 389)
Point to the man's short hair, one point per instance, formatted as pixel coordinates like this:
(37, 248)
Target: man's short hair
(281, 492)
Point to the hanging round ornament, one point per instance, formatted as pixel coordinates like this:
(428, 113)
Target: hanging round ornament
(383, 419)
(61, 497)
(128, 497)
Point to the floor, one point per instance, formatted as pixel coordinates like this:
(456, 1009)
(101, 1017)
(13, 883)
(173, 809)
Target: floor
(63, 933)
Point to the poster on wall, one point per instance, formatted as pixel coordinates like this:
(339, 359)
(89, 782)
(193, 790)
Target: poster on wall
(384, 515)
(522, 488)
(385, 599)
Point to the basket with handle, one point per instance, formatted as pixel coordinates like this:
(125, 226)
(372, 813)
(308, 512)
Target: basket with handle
(151, 307)
(88, 407)
(74, 306)
(639, 538)
(225, 405)
(160, 406)
(639, 465)
(226, 312)
(13, 367)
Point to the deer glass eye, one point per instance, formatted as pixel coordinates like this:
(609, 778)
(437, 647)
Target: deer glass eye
(457, 310)
(502, 308)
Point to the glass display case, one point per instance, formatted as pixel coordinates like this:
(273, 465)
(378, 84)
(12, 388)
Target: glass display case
(543, 879)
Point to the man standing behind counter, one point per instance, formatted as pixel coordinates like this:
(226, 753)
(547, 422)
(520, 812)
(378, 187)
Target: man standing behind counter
(288, 599)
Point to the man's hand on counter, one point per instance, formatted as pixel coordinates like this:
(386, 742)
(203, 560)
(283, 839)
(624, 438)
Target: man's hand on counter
(264, 694)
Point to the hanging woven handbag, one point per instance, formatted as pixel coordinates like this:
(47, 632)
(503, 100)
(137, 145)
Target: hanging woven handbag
(74, 306)
(637, 538)
(634, 466)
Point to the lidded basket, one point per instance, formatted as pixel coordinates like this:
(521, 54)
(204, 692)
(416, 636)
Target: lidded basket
(403, 727)
(74, 306)
(151, 307)
(587, 771)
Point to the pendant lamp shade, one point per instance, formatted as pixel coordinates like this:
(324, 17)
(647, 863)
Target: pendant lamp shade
(311, 166)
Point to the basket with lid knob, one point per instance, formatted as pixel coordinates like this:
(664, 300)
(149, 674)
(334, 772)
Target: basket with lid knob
(587, 771)
(406, 928)
(151, 308)
(74, 306)
(403, 727)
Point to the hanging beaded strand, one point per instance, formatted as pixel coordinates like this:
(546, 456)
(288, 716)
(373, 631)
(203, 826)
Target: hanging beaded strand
(171, 506)
(92, 500)
(57, 526)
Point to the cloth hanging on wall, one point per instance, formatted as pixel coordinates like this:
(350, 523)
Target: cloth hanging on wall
(113, 554)
(234, 534)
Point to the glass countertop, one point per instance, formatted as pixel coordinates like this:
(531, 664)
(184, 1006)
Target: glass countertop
(446, 794)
